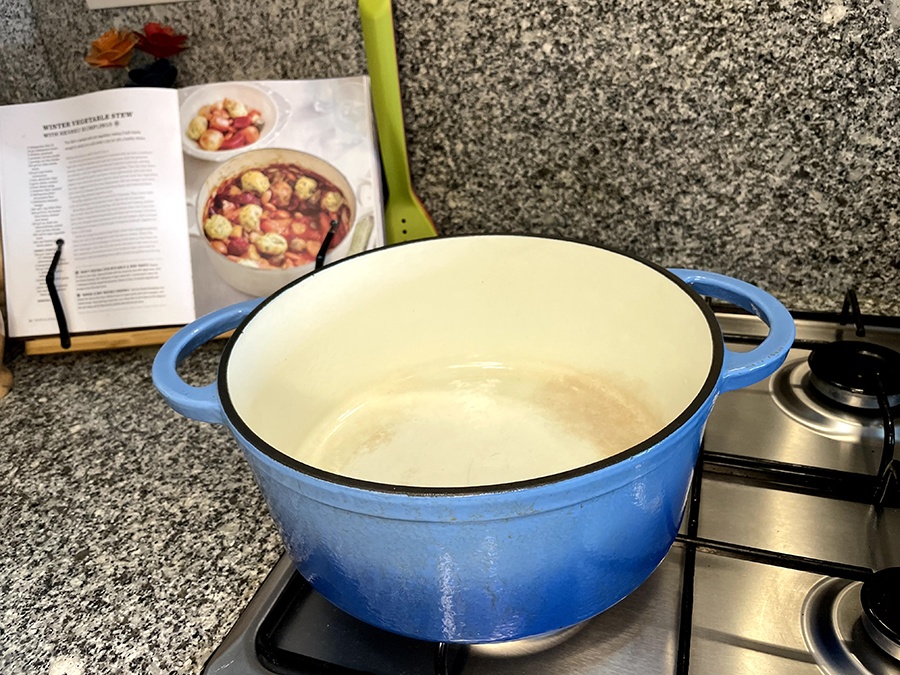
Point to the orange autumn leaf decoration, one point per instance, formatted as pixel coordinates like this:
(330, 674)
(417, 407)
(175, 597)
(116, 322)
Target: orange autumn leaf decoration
(113, 49)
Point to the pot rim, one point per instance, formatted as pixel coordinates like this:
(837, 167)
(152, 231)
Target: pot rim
(707, 390)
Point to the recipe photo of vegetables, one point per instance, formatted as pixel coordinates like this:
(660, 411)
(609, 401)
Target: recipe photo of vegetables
(225, 125)
(275, 217)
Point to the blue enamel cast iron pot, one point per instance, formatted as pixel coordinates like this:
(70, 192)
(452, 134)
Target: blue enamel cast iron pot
(479, 438)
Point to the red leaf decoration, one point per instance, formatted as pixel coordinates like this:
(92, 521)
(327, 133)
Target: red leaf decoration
(160, 41)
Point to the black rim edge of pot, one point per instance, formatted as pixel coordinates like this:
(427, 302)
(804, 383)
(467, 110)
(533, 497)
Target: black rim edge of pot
(705, 391)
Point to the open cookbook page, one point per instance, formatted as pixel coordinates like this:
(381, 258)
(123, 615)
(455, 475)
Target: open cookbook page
(103, 173)
(172, 204)
(259, 205)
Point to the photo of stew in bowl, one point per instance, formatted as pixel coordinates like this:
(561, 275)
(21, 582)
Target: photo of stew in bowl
(221, 120)
(225, 125)
(265, 214)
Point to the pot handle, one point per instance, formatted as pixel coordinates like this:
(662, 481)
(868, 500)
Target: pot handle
(742, 369)
(198, 403)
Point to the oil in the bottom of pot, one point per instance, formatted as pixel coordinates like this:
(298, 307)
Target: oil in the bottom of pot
(479, 424)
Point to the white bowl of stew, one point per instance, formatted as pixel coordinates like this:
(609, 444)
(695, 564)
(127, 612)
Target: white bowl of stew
(229, 112)
(265, 213)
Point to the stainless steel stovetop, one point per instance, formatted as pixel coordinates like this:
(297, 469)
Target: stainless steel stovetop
(765, 576)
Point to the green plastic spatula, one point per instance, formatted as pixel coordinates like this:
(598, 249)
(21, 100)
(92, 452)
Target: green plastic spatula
(404, 216)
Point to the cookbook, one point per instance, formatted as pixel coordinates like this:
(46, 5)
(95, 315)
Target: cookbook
(150, 207)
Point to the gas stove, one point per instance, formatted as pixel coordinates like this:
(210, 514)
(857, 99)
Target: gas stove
(788, 559)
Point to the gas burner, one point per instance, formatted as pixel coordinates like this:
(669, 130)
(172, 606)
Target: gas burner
(527, 646)
(834, 625)
(854, 374)
(880, 598)
(793, 392)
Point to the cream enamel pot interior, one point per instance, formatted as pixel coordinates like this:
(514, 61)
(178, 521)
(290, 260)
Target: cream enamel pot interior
(513, 552)
(263, 282)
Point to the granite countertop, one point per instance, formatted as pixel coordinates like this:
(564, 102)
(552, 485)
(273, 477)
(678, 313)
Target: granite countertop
(754, 139)
(132, 537)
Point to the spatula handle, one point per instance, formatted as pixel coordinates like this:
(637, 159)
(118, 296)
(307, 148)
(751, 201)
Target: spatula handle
(381, 55)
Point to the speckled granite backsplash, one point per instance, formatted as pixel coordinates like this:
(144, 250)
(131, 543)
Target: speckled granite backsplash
(758, 139)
